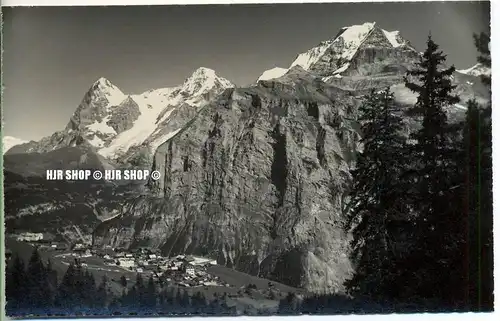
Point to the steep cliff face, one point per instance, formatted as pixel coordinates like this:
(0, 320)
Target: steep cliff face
(256, 180)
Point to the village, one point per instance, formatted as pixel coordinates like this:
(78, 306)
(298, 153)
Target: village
(180, 270)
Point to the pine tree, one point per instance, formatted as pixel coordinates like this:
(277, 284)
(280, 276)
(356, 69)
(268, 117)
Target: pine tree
(482, 42)
(438, 160)
(123, 281)
(15, 289)
(103, 292)
(478, 146)
(151, 295)
(141, 291)
(37, 283)
(91, 299)
(377, 199)
(65, 293)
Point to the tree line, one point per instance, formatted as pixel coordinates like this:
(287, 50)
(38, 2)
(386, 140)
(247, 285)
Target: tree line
(35, 290)
(420, 207)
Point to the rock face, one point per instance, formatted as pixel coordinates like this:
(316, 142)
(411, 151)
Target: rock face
(257, 180)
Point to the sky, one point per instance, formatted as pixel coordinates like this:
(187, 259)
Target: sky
(52, 55)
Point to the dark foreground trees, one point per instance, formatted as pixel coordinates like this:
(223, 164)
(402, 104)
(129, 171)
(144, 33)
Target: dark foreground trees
(34, 289)
(479, 195)
(377, 198)
(443, 193)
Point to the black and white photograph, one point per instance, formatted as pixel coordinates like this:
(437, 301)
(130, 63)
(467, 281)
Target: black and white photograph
(247, 159)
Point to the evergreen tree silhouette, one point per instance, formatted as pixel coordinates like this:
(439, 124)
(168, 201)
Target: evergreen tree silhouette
(150, 294)
(123, 281)
(378, 197)
(16, 285)
(479, 196)
(437, 157)
(102, 294)
(37, 283)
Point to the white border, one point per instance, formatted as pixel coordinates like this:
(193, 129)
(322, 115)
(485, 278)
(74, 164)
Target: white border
(176, 2)
(495, 51)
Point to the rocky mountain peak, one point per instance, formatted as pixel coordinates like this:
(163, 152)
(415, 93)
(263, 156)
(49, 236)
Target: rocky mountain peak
(202, 81)
(102, 88)
(352, 47)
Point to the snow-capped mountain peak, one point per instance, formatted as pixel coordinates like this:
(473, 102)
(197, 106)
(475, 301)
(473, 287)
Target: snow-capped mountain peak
(203, 80)
(9, 142)
(335, 56)
(476, 70)
(103, 88)
(346, 44)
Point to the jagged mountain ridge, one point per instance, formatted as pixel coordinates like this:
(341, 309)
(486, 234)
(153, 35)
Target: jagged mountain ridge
(113, 123)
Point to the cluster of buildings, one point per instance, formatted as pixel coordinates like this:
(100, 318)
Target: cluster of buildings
(184, 270)
(34, 237)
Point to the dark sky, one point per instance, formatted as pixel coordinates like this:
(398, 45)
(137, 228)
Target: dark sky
(52, 55)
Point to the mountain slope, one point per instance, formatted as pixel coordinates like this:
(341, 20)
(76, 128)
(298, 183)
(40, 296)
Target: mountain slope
(272, 73)
(9, 142)
(476, 70)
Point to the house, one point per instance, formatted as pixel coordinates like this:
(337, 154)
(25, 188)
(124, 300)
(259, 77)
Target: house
(126, 263)
(139, 270)
(58, 246)
(188, 269)
(30, 237)
(47, 237)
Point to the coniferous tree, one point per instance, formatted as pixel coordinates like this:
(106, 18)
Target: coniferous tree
(437, 155)
(150, 294)
(479, 196)
(141, 291)
(16, 287)
(123, 281)
(90, 297)
(377, 199)
(37, 283)
(65, 292)
(103, 292)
